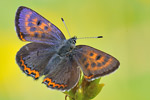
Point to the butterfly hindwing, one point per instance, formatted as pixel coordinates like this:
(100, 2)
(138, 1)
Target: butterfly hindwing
(31, 26)
(65, 73)
(33, 58)
(95, 63)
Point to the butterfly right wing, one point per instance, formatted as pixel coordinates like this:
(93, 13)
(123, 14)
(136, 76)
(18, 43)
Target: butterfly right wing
(33, 57)
(94, 63)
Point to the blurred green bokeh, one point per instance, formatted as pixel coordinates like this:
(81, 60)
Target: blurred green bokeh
(125, 25)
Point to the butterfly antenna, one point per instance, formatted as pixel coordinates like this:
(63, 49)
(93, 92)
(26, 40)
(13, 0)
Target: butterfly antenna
(90, 37)
(66, 27)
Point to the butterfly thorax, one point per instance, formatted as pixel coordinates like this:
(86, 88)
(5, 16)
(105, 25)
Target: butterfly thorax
(67, 47)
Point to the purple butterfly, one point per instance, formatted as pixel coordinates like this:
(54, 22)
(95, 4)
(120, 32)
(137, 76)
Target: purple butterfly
(50, 54)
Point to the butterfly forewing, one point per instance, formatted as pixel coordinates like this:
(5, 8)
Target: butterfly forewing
(95, 63)
(31, 26)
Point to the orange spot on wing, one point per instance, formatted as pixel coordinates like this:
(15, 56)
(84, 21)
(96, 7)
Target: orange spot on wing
(93, 56)
(53, 84)
(29, 70)
(27, 22)
(42, 25)
(103, 66)
(35, 20)
(21, 36)
(88, 77)
(101, 59)
(27, 17)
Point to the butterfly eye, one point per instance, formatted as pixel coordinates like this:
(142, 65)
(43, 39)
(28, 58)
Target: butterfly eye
(74, 41)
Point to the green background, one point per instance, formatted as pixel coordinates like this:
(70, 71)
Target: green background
(125, 25)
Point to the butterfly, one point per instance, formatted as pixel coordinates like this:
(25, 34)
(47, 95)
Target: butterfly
(57, 58)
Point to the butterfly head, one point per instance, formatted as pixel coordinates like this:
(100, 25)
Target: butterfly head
(72, 40)
(70, 43)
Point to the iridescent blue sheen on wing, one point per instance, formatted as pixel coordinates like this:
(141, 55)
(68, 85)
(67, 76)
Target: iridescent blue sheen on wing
(31, 26)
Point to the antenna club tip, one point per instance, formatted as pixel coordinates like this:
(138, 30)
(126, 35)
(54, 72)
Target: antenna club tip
(100, 37)
(62, 19)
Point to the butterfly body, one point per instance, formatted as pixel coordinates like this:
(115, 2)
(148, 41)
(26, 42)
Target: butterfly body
(50, 54)
(67, 47)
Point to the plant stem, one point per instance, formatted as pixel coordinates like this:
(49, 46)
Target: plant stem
(85, 90)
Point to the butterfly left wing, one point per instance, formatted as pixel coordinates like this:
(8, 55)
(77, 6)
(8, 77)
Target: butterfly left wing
(94, 63)
(31, 26)
(33, 58)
